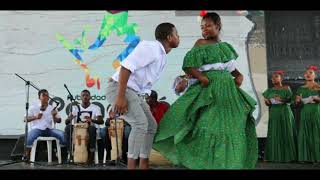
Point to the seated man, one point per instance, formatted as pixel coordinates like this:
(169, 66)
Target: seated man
(104, 133)
(41, 116)
(89, 113)
(157, 108)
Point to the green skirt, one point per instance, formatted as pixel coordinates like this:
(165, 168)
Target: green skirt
(281, 143)
(210, 127)
(309, 134)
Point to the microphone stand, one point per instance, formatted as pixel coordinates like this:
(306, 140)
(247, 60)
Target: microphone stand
(28, 84)
(73, 101)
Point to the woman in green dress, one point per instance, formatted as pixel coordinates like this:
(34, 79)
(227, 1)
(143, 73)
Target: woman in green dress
(281, 138)
(211, 125)
(309, 125)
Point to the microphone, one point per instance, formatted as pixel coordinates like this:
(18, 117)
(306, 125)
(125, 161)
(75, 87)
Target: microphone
(70, 95)
(72, 100)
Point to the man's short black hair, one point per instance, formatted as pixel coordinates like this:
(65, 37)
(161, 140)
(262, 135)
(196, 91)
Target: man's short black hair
(42, 91)
(87, 91)
(163, 30)
(154, 95)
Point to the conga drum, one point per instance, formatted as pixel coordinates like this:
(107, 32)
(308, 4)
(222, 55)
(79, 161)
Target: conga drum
(112, 135)
(80, 142)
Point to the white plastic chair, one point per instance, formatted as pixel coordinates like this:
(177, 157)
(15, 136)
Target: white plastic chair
(104, 156)
(49, 147)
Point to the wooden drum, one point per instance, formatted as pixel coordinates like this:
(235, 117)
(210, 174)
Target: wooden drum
(80, 142)
(112, 136)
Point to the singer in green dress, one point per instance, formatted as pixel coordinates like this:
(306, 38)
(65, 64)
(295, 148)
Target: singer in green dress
(309, 125)
(281, 143)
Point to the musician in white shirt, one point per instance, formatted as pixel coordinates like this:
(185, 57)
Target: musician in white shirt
(41, 117)
(89, 113)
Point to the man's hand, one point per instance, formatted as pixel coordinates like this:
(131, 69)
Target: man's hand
(31, 118)
(70, 117)
(88, 119)
(111, 114)
(54, 113)
(121, 105)
(39, 116)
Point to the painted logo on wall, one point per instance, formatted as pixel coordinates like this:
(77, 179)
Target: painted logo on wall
(113, 21)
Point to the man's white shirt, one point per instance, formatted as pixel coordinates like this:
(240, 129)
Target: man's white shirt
(146, 62)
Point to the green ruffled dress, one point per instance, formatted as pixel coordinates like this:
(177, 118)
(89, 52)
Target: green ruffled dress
(210, 127)
(281, 143)
(309, 128)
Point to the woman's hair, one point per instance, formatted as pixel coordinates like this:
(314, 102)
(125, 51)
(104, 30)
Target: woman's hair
(214, 17)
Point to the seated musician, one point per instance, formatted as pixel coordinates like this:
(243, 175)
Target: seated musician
(41, 116)
(157, 108)
(89, 113)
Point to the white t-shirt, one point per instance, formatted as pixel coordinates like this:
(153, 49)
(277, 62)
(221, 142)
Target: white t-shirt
(92, 111)
(46, 120)
(146, 62)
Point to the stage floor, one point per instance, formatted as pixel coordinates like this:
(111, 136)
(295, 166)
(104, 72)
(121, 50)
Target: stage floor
(157, 161)
(11, 165)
